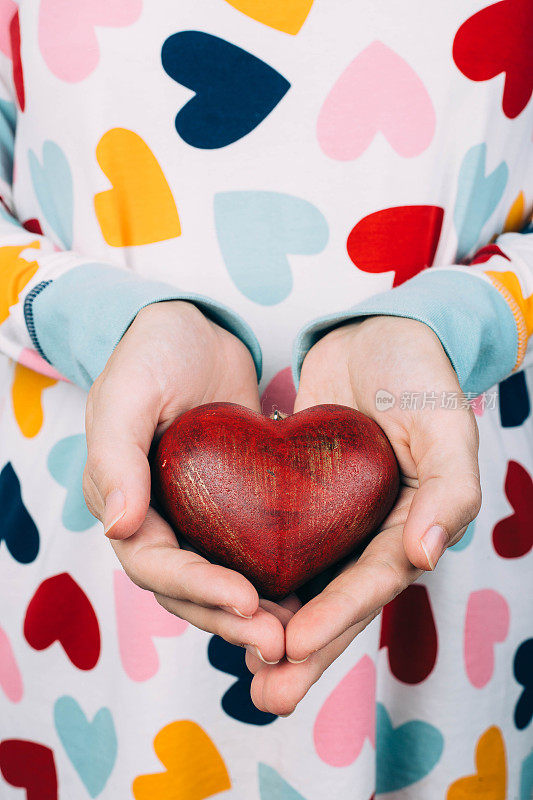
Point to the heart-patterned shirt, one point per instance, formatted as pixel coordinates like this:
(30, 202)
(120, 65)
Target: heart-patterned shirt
(286, 165)
(279, 165)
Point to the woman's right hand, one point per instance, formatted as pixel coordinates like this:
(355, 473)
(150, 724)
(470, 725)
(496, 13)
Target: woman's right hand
(171, 359)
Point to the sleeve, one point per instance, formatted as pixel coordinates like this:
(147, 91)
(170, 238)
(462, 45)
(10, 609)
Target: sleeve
(482, 312)
(69, 309)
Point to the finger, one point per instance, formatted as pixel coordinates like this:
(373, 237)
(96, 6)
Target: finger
(324, 383)
(278, 689)
(444, 447)
(153, 560)
(263, 635)
(284, 611)
(361, 589)
(120, 425)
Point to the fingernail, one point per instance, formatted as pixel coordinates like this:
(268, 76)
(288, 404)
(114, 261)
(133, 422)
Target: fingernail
(296, 661)
(434, 544)
(257, 652)
(115, 508)
(236, 611)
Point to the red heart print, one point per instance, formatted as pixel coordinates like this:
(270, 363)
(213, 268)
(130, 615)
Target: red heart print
(408, 631)
(18, 75)
(33, 226)
(61, 611)
(512, 537)
(498, 39)
(30, 766)
(403, 239)
(486, 253)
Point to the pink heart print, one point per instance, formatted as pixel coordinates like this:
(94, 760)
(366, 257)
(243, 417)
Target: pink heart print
(377, 92)
(139, 619)
(486, 624)
(10, 677)
(67, 35)
(279, 394)
(348, 717)
(8, 9)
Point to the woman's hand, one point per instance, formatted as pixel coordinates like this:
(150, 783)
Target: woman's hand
(172, 358)
(436, 448)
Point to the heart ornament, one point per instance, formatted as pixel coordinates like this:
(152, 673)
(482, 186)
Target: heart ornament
(278, 500)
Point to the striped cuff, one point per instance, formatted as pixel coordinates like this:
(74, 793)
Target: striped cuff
(470, 316)
(508, 265)
(76, 320)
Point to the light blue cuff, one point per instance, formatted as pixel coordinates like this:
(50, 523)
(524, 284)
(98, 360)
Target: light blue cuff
(472, 320)
(76, 320)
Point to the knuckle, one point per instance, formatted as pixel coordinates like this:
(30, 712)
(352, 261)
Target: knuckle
(95, 466)
(135, 578)
(159, 598)
(472, 499)
(392, 580)
(88, 492)
(134, 572)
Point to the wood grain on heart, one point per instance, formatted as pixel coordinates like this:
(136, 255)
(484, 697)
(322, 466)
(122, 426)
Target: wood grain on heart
(379, 92)
(194, 768)
(139, 208)
(490, 779)
(402, 240)
(283, 15)
(277, 500)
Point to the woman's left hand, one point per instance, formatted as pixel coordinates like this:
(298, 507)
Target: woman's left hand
(436, 447)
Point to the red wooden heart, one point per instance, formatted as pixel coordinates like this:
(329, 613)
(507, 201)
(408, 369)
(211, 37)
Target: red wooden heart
(277, 500)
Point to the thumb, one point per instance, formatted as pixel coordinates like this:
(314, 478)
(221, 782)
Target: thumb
(120, 425)
(444, 446)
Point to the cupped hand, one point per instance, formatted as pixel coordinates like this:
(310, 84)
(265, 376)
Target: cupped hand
(171, 359)
(436, 446)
